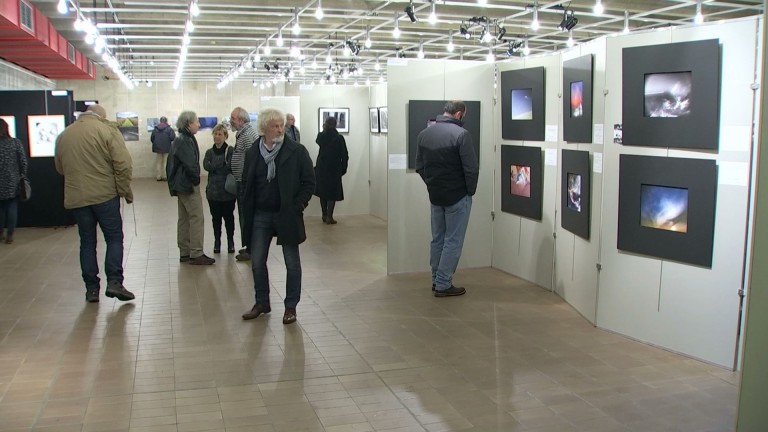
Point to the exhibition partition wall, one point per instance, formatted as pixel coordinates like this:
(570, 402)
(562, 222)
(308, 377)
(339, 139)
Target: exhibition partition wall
(524, 246)
(378, 151)
(686, 304)
(352, 101)
(408, 206)
(38, 117)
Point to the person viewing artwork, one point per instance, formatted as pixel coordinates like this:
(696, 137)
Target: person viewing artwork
(332, 164)
(13, 168)
(161, 138)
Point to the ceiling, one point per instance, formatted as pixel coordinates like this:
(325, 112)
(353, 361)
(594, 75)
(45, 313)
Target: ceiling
(147, 36)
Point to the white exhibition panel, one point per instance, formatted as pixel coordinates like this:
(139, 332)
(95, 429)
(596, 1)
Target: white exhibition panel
(684, 308)
(286, 104)
(522, 246)
(408, 208)
(576, 275)
(378, 152)
(355, 182)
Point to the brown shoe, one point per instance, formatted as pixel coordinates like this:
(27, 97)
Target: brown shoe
(289, 317)
(243, 256)
(117, 290)
(331, 221)
(202, 260)
(255, 311)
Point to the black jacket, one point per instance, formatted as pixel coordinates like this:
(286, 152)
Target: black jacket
(183, 166)
(332, 163)
(296, 181)
(446, 161)
(217, 162)
(162, 137)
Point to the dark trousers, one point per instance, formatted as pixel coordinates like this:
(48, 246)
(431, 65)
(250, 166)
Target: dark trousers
(223, 210)
(9, 215)
(107, 216)
(264, 228)
(241, 210)
(327, 206)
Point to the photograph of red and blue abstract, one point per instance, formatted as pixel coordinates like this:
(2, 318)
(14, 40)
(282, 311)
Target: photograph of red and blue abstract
(522, 104)
(664, 207)
(577, 98)
(520, 180)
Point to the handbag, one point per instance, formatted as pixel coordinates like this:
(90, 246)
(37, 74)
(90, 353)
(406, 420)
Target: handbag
(25, 189)
(230, 184)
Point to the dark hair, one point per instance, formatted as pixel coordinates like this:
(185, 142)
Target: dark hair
(4, 129)
(454, 106)
(163, 119)
(330, 122)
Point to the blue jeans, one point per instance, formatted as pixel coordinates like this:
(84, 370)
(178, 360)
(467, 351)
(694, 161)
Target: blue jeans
(449, 225)
(9, 215)
(264, 228)
(107, 216)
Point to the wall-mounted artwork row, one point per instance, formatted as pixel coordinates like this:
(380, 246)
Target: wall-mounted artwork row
(522, 181)
(43, 130)
(342, 118)
(667, 207)
(671, 95)
(128, 123)
(522, 104)
(423, 113)
(373, 114)
(576, 187)
(577, 100)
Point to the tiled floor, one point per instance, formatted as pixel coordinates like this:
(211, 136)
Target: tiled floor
(369, 352)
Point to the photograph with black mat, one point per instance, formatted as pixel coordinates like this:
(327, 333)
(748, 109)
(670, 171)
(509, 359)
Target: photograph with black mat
(575, 187)
(522, 104)
(423, 113)
(577, 100)
(522, 181)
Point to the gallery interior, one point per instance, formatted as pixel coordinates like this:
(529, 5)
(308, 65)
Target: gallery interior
(614, 260)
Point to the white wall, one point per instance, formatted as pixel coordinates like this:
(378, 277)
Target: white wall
(408, 210)
(681, 307)
(378, 157)
(13, 77)
(522, 246)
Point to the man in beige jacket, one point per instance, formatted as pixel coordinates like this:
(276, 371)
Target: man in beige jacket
(96, 165)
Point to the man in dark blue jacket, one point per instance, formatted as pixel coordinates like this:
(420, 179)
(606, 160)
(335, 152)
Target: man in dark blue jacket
(161, 138)
(446, 161)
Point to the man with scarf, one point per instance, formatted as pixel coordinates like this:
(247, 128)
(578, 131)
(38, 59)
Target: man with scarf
(279, 182)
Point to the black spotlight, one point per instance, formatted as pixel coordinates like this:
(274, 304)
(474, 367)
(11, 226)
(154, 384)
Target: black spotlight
(464, 31)
(564, 21)
(267, 67)
(501, 32)
(572, 21)
(409, 11)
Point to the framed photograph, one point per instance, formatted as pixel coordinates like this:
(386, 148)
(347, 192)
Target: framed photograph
(383, 120)
(667, 207)
(577, 100)
(43, 130)
(152, 122)
(11, 120)
(253, 117)
(128, 123)
(522, 104)
(423, 113)
(342, 118)
(373, 114)
(208, 122)
(575, 189)
(522, 188)
(671, 95)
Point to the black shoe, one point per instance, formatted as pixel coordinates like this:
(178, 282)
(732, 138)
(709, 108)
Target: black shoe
(243, 256)
(118, 291)
(243, 250)
(433, 287)
(217, 246)
(184, 258)
(255, 311)
(289, 317)
(202, 260)
(452, 291)
(92, 295)
(231, 249)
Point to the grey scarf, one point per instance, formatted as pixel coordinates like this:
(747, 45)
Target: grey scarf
(269, 157)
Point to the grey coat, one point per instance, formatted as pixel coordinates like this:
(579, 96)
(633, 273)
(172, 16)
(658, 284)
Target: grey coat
(183, 166)
(13, 166)
(218, 164)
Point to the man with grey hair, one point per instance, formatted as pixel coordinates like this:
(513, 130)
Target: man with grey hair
(279, 182)
(97, 169)
(245, 136)
(290, 128)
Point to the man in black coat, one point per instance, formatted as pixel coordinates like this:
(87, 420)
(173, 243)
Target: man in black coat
(279, 183)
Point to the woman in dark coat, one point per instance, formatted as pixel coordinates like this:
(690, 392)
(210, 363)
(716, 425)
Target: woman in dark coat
(217, 161)
(13, 167)
(332, 161)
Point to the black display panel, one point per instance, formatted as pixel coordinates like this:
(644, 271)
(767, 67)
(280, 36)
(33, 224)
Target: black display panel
(521, 181)
(576, 187)
(522, 104)
(577, 100)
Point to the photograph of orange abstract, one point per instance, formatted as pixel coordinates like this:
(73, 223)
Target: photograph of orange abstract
(520, 180)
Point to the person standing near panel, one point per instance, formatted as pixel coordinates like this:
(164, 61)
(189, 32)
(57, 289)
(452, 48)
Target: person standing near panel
(245, 136)
(161, 138)
(446, 161)
(332, 163)
(290, 128)
(221, 203)
(13, 168)
(97, 170)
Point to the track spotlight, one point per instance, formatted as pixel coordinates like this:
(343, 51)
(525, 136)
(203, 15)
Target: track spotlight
(699, 17)
(410, 12)
(626, 22)
(352, 47)
(396, 30)
(267, 67)
(500, 33)
(572, 21)
(464, 31)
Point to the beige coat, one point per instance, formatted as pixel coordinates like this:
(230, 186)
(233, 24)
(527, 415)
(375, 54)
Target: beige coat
(96, 165)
